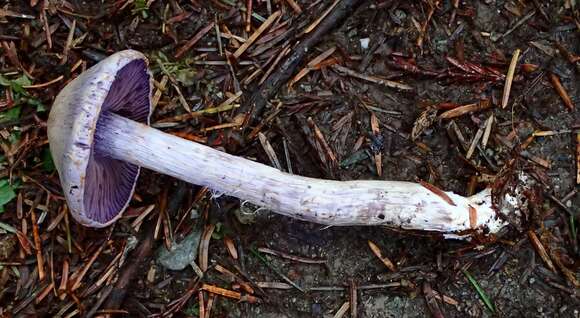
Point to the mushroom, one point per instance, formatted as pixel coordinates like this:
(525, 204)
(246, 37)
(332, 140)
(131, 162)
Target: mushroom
(99, 138)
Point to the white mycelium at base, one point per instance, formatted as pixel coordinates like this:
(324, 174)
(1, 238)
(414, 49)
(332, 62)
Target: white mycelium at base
(400, 204)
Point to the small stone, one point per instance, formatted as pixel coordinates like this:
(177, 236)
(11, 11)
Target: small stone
(364, 43)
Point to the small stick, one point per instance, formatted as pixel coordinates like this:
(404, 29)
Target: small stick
(295, 6)
(342, 310)
(249, 15)
(372, 79)
(193, 40)
(292, 257)
(509, 78)
(537, 244)
(487, 133)
(78, 276)
(377, 251)
(63, 280)
(45, 84)
(578, 158)
(201, 304)
(474, 143)
(517, 25)
(378, 156)
(144, 249)
(323, 143)
(312, 65)
(204, 247)
(210, 300)
(228, 293)
(68, 44)
(38, 246)
(256, 34)
(275, 270)
(466, 109)
(561, 91)
(317, 22)
(234, 278)
(353, 301)
(289, 163)
(231, 247)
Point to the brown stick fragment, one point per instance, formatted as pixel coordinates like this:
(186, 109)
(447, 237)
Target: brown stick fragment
(44, 293)
(322, 142)
(537, 244)
(44, 19)
(204, 247)
(472, 217)
(578, 158)
(201, 304)
(569, 56)
(555, 80)
(509, 78)
(437, 191)
(342, 310)
(68, 43)
(256, 34)
(378, 156)
(353, 301)
(317, 22)
(249, 8)
(466, 109)
(569, 274)
(117, 295)
(377, 251)
(431, 301)
(231, 247)
(221, 291)
(210, 300)
(312, 64)
(234, 278)
(291, 257)
(372, 79)
(255, 104)
(474, 142)
(38, 246)
(295, 6)
(189, 44)
(63, 280)
(78, 276)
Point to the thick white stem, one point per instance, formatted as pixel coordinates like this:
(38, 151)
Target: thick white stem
(400, 204)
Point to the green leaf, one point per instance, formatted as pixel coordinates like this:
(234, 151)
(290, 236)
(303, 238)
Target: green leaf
(7, 228)
(12, 114)
(37, 103)
(47, 162)
(17, 84)
(4, 81)
(486, 300)
(22, 81)
(217, 233)
(6, 193)
(14, 137)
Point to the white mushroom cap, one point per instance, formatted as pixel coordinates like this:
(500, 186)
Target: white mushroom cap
(98, 188)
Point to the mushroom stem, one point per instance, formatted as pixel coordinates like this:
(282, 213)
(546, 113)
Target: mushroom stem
(399, 204)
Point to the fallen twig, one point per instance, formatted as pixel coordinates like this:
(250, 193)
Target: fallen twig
(255, 103)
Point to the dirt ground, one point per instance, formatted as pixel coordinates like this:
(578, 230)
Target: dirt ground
(451, 53)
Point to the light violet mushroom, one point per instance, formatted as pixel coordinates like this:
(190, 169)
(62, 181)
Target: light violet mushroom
(99, 138)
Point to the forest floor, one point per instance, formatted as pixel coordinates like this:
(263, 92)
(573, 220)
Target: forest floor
(344, 90)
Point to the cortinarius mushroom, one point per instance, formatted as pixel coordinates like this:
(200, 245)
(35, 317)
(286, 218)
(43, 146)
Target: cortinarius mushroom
(99, 138)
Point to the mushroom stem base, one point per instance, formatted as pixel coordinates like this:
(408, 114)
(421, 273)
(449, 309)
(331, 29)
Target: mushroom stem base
(398, 204)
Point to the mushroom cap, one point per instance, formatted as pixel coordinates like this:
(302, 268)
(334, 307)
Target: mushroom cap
(98, 188)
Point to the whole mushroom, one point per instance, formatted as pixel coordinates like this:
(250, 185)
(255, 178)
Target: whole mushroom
(99, 138)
